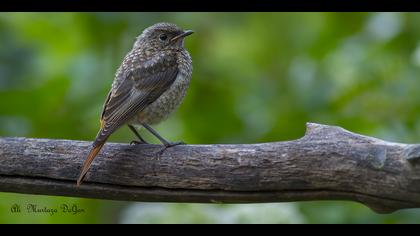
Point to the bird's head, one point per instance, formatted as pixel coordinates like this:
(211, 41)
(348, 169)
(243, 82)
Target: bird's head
(162, 36)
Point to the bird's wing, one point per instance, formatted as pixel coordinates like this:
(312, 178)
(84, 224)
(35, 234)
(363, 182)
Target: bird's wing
(136, 89)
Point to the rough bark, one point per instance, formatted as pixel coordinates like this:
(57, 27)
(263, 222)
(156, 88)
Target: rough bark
(328, 163)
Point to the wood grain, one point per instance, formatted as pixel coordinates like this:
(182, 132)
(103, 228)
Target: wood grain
(328, 163)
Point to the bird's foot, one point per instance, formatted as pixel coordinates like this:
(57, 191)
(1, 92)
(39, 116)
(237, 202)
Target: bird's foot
(137, 142)
(172, 144)
(168, 145)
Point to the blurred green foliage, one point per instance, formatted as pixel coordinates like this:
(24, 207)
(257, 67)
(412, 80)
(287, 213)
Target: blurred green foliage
(258, 77)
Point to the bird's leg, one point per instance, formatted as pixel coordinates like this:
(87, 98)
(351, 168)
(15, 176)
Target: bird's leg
(141, 140)
(164, 141)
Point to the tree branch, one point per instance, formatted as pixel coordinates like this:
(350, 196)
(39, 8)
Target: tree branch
(328, 163)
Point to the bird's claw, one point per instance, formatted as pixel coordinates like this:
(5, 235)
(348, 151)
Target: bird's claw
(136, 142)
(168, 145)
(172, 144)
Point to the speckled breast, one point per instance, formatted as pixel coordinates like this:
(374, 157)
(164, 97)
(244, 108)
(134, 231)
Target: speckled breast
(160, 109)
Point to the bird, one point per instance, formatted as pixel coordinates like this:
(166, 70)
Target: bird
(149, 85)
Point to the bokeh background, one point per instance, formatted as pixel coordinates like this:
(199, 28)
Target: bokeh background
(258, 77)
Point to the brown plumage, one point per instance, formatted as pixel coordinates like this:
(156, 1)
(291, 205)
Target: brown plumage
(148, 86)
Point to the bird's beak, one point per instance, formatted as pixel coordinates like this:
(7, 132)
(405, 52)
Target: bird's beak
(182, 35)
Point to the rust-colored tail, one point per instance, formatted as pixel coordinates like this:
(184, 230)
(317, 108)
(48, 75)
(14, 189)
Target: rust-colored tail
(88, 162)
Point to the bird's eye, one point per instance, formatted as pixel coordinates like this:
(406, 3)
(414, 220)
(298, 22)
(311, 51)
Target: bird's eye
(163, 37)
